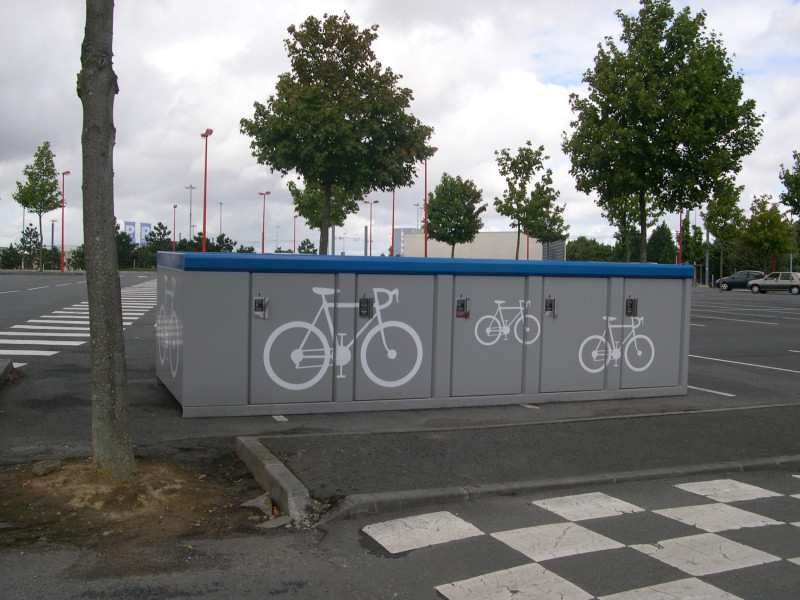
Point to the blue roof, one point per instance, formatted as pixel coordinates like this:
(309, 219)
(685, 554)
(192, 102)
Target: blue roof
(313, 263)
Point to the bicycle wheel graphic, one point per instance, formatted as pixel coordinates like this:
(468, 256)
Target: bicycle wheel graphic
(174, 343)
(488, 330)
(296, 355)
(162, 335)
(594, 353)
(639, 352)
(527, 330)
(397, 360)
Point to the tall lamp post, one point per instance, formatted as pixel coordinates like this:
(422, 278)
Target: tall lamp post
(174, 212)
(425, 215)
(205, 136)
(63, 174)
(190, 187)
(416, 204)
(294, 235)
(370, 202)
(263, 217)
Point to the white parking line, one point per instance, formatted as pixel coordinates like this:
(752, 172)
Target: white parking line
(41, 287)
(736, 320)
(699, 389)
(27, 352)
(736, 362)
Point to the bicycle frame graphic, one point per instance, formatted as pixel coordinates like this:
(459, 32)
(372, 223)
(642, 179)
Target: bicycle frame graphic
(526, 327)
(637, 349)
(315, 354)
(167, 329)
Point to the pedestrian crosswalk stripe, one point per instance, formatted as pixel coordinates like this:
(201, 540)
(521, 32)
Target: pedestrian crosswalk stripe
(15, 352)
(44, 342)
(44, 333)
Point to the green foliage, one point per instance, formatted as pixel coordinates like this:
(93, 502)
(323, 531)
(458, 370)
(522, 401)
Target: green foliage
(534, 211)
(660, 247)
(306, 247)
(30, 245)
(77, 259)
(39, 194)
(664, 120)
(768, 232)
(790, 178)
(723, 218)
(586, 249)
(51, 259)
(11, 257)
(454, 211)
(338, 118)
(693, 249)
(245, 250)
(309, 203)
(125, 249)
(158, 240)
(280, 250)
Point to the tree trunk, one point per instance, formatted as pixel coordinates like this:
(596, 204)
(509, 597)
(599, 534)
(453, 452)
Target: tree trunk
(112, 450)
(41, 243)
(721, 252)
(519, 230)
(325, 226)
(642, 228)
(452, 251)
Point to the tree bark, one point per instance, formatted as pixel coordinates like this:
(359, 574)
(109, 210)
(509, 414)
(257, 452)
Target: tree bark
(325, 225)
(112, 450)
(642, 227)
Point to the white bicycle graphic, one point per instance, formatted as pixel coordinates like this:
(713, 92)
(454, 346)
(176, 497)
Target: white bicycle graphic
(167, 328)
(309, 349)
(597, 351)
(526, 327)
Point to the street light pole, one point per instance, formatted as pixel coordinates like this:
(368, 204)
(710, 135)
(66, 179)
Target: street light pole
(63, 202)
(190, 187)
(417, 205)
(174, 212)
(205, 135)
(263, 217)
(426, 203)
(370, 202)
(294, 235)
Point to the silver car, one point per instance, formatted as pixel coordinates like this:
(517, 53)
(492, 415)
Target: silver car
(780, 280)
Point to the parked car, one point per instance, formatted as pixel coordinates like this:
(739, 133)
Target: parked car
(739, 279)
(781, 280)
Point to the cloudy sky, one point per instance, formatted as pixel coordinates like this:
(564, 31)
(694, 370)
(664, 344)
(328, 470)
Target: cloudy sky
(485, 76)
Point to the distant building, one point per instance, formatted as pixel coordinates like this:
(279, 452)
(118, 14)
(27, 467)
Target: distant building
(487, 244)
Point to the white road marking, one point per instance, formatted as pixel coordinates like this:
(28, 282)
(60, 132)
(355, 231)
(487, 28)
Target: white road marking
(15, 352)
(736, 362)
(43, 342)
(410, 533)
(699, 389)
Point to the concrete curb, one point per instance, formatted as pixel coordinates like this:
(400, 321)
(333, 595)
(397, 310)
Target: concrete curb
(270, 473)
(5, 369)
(358, 505)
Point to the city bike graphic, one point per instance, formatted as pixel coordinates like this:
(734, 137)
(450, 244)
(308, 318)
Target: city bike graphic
(309, 350)
(526, 328)
(167, 331)
(597, 351)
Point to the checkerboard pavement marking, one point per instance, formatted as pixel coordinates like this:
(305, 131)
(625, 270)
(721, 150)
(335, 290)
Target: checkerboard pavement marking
(686, 560)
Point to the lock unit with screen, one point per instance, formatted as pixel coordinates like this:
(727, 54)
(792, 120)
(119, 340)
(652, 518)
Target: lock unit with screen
(365, 307)
(260, 305)
(631, 307)
(462, 308)
(550, 307)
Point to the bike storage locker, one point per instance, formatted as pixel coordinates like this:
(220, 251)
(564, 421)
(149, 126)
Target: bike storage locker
(240, 334)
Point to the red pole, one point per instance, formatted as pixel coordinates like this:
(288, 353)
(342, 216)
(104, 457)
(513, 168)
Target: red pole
(294, 236)
(528, 244)
(174, 210)
(425, 211)
(62, 218)
(680, 238)
(205, 135)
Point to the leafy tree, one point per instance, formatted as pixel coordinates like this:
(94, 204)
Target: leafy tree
(39, 194)
(309, 203)
(51, 258)
(245, 250)
(280, 250)
(660, 247)
(626, 243)
(223, 244)
(767, 232)
(30, 244)
(534, 212)
(112, 449)
(724, 217)
(77, 260)
(125, 248)
(338, 118)
(454, 211)
(790, 179)
(158, 240)
(306, 247)
(586, 249)
(11, 257)
(692, 249)
(664, 119)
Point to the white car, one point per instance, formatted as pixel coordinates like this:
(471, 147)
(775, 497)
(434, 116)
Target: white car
(781, 280)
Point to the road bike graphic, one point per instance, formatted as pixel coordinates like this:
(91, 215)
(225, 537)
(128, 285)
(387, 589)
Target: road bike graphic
(167, 329)
(597, 351)
(309, 349)
(526, 327)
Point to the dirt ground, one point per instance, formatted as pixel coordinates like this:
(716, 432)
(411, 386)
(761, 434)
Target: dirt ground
(64, 502)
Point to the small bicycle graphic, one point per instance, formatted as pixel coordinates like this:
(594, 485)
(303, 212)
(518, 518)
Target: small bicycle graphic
(597, 351)
(310, 349)
(167, 328)
(489, 328)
